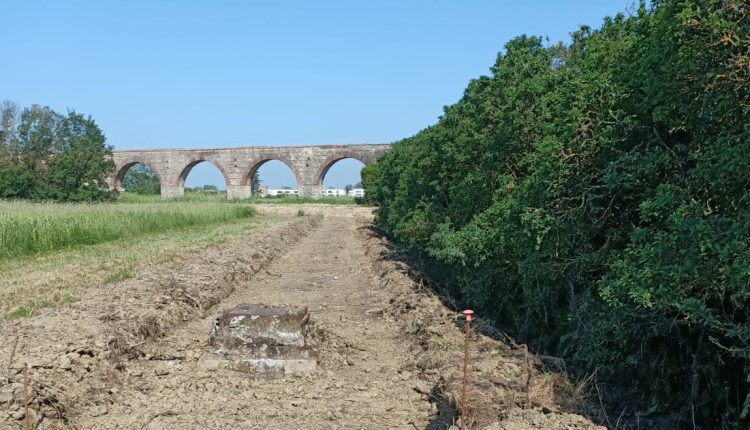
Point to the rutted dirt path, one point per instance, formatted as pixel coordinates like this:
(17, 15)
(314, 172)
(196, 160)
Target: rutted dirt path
(127, 357)
(327, 272)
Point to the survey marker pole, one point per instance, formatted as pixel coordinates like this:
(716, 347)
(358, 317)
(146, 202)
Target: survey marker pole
(468, 314)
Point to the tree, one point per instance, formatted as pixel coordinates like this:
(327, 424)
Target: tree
(82, 162)
(28, 142)
(348, 188)
(141, 179)
(15, 182)
(8, 129)
(370, 183)
(255, 184)
(45, 155)
(39, 140)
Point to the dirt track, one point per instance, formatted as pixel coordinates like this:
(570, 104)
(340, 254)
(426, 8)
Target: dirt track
(127, 357)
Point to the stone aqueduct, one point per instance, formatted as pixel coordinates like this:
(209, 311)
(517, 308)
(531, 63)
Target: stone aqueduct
(238, 165)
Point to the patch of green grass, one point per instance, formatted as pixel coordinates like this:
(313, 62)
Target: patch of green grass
(119, 276)
(29, 308)
(221, 197)
(189, 197)
(47, 280)
(446, 343)
(37, 228)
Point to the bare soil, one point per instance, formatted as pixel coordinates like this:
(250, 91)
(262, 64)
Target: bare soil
(390, 353)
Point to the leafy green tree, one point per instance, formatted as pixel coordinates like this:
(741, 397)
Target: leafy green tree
(141, 179)
(15, 180)
(8, 130)
(370, 183)
(79, 169)
(255, 184)
(39, 140)
(44, 155)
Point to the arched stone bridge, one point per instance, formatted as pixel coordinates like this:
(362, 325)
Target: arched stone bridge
(238, 165)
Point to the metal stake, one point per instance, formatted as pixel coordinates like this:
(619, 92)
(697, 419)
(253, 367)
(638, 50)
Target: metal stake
(469, 314)
(26, 422)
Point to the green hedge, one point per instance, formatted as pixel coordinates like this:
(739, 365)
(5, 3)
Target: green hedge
(594, 199)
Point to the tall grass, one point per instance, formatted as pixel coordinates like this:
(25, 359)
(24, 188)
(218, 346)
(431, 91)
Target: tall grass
(190, 196)
(221, 197)
(35, 228)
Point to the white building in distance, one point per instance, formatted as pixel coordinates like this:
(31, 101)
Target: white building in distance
(330, 192)
(273, 192)
(334, 192)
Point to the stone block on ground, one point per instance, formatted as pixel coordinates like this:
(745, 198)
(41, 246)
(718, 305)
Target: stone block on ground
(264, 340)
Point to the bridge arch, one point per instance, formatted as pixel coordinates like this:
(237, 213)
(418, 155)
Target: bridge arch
(192, 163)
(245, 181)
(122, 170)
(330, 161)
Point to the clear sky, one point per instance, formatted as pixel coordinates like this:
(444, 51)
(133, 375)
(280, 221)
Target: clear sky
(201, 74)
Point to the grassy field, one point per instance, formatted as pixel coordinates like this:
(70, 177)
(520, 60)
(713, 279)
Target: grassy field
(28, 229)
(41, 281)
(189, 197)
(53, 253)
(220, 197)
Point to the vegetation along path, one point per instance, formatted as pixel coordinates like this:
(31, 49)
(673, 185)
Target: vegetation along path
(126, 355)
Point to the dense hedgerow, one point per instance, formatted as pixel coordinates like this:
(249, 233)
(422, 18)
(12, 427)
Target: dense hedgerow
(594, 199)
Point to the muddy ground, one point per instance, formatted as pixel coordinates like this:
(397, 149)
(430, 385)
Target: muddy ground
(390, 352)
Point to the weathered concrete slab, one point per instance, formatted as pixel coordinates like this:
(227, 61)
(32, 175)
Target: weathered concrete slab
(256, 325)
(260, 339)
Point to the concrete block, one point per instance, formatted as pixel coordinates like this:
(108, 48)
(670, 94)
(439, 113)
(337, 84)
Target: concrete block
(266, 341)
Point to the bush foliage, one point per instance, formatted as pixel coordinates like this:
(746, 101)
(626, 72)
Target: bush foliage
(594, 199)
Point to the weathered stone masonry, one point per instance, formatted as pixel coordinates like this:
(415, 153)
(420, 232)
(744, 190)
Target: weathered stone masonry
(238, 165)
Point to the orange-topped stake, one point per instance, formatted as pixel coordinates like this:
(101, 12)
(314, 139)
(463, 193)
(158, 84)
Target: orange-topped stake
(469, 315)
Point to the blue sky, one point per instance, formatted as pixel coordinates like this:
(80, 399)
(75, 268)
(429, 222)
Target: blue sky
(200, 74)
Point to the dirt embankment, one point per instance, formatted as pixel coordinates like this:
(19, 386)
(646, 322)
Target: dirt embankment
(508, 388)
(389, 352)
